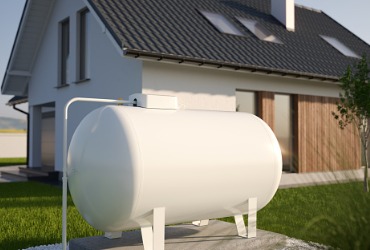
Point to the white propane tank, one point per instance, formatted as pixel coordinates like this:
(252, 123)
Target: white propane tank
(125, 161)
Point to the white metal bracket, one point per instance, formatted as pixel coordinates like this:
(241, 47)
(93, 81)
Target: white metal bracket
(154, 101)
(240, 225)
(252, 220)
(201, 223)
(153, 236)
(113, 235)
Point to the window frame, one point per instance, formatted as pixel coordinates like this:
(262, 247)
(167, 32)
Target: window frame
(258, 30)
(340, 46)
(211, 17)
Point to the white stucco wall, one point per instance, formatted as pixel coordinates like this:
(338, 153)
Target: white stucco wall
(112, 76)
(214, 89)
(13, 145)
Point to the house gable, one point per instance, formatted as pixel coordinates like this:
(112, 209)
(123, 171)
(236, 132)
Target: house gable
(111, 76)
(28, 40)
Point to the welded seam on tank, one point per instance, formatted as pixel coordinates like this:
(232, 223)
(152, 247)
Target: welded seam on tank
(269, 132)
(140, 165)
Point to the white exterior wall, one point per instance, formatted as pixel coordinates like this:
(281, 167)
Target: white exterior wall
(13, 145)
(214, 89)
(111, 75)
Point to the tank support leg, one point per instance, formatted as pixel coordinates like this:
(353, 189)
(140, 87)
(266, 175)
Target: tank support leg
(240, 225)
(252, 220)
(153, 236)
(147, 236)
(113, 235)
(252, 217)
(201, 223)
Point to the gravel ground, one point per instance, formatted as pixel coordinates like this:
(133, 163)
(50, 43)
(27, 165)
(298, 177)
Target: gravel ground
(302, 245)
(46, 247)
(292, 244)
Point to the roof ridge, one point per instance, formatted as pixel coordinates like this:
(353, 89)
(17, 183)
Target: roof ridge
(348, 30)
(308, 8)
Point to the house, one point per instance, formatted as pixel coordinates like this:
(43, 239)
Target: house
(272, 58)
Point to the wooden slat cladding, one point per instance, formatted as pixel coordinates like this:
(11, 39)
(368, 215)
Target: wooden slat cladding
(266, 110)
(320, 144)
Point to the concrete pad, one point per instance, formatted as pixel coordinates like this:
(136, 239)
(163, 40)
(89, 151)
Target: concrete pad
(291, 180)
(217, 235)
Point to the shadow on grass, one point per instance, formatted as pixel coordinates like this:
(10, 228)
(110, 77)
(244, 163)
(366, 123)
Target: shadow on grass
(28, 189)
(14, 244)
(39, 202)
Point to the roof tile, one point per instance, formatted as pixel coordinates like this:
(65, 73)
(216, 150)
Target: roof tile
(176, 28)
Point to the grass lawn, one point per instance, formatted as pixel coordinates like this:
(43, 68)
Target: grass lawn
(336, 215)
(30, 215)
(12, 161)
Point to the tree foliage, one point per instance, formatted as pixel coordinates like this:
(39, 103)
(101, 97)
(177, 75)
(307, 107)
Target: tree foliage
(354, 104)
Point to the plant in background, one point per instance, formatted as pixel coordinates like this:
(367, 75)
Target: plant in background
(354, 106)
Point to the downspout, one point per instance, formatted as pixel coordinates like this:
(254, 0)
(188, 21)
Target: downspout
(28, 126)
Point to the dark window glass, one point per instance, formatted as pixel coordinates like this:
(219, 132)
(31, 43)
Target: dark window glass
(84, 51)
(284, 128)
(221, 23)
(246, 101)
(64, 52)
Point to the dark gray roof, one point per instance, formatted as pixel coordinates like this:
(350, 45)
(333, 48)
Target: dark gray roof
(176, 29)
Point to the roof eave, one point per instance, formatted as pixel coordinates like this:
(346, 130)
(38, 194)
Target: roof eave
(5, 83)
(17, 100)
(21, 60)
(229, 65)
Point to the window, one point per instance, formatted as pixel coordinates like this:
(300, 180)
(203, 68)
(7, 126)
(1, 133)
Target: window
(83, 54)
(284, 128)
(221, 23)
(258, 30)
(339, 46)
(64, 53)
(246, 101)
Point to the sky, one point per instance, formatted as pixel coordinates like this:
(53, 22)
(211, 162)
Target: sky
(10, 14)
(354, 15)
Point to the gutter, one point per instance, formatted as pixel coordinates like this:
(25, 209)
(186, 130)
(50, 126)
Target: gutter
(221, 64)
